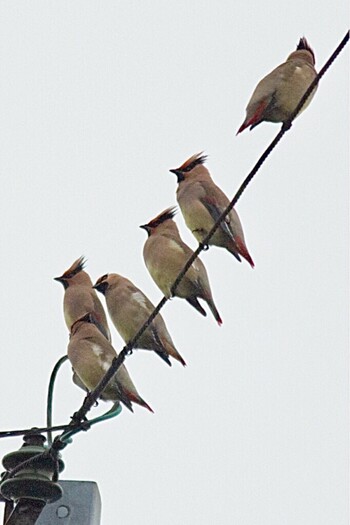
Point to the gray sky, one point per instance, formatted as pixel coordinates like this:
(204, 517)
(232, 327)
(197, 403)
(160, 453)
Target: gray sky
(97, 101)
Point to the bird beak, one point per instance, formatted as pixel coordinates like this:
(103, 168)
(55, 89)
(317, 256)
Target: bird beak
(179, 174)
(101, 287)
(147, 228)
(59, 279)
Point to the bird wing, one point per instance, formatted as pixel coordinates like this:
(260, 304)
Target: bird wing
(210, 200)
(266, 96)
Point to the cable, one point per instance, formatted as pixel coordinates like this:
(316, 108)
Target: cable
(79, 418)
(50, 396)
(117, 361)
(320, 75)
(14, 433)
(69, 429)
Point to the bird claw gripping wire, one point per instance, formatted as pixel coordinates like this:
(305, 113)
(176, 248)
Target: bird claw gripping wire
(286, 125)
(79, 424)
(76, 420)
(82, 424)
(85, 425)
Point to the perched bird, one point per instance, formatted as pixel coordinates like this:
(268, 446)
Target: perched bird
(277, 95)
(129, 309)
(165, 255)
(202, 202)
(80, 297)
(91, 356)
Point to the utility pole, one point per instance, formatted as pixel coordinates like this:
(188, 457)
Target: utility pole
(80, 504)
(32, 497)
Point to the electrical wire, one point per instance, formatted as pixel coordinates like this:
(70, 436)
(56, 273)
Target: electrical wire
(50, 396)
(39, 430)
(79, 421)
(92, 397)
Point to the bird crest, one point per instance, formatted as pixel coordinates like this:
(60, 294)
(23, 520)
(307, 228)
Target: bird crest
(86, 318)
(89, 317)
(167, 214)
(100, 280)
(193, 161)
(303, 44)
(76, 267)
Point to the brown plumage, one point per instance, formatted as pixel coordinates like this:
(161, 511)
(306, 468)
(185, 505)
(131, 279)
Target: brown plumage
(129, 309)
(91, 356)
(202, 202)
(80, 297)
(165, 255)
(277, 95)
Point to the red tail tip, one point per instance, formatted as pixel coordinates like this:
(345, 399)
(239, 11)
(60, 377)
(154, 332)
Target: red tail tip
(146, 405)
(242, 250)
(139, 401)
(250, 261)
(256, 118)
(242, 128)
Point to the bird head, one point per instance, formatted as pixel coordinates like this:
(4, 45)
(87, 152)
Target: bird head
(86, 318)
(74, 274)
(189, 167)
(102, 284)
(303, 51)
(163, 218)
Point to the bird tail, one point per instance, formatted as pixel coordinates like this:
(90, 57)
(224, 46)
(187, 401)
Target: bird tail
(232, 248)
(243, 127)
(195, 303)
(165, 348)
(242, 250)
(124, 398)
(135, 398)
(213, 310)
(255, 119)
(171, 350)
(163, 355)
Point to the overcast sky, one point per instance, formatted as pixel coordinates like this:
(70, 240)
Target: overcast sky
(98, 100)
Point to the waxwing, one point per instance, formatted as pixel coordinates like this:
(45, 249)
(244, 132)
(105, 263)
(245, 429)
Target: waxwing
(165, 255)
(91, 355)
(202, 202)
(278, 94)
(129, 309)
(80, 297)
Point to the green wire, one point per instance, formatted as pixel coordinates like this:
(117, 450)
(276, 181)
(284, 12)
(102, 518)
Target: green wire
(112, 412)
(50, 396)
(66, 436)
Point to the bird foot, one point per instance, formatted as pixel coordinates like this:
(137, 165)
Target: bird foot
(286, 125)
(85, 425)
